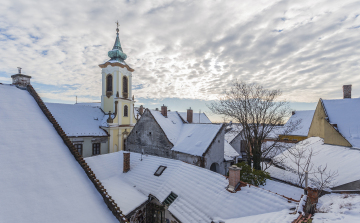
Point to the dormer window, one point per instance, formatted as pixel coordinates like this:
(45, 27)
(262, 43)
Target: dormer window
(125, 110)
(125, 87)
(109, 85)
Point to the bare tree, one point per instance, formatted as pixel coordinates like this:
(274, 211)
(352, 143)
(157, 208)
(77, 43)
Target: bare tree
(301, 156)
(259, 112)
(323, 179)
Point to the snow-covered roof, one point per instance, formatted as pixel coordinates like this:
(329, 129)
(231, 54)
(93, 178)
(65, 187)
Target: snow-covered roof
(78, 120)
(235, 130)
(40, 179)
(192, 139)
(197, 117)
(345, 113)
(306, 117)
(337, 158)
(338, 208)
(202, 194)
(229, 152)
(91, 104)
(195, 139)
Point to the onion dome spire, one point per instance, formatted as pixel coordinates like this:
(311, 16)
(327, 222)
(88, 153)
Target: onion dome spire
(117, 53)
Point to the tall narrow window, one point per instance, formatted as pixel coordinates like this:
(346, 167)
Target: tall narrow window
(79, 148)
(109, 83)
(125, 110)
(96, 149)
(125, 87)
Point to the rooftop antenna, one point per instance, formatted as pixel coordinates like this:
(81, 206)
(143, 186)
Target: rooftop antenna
(76, 99)
(142, 152)
(199, 115)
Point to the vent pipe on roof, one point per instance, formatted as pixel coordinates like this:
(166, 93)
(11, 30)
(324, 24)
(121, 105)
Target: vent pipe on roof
(126, 162)
(164, 110)
(189, 116)
(293, 112)
(347, 91)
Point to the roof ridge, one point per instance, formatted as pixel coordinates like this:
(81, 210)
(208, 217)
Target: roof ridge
(98, 185)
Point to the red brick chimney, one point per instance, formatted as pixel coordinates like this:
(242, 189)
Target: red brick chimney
(347, 91)
(234, 177)
(189, 116)
(141, 110)
(164, 110)
(126, 162)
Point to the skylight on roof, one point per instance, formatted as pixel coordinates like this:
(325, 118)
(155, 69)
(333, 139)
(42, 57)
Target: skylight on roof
(160, 170)
(172, 196)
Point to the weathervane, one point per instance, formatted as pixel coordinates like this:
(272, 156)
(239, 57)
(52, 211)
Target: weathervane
(117, 26)
(19, 69)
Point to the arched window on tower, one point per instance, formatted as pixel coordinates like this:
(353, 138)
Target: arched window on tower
(125, 87)
(109, 85)
(125, 110)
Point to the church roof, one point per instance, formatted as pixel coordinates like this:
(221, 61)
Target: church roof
(78, 119)
(201, 193)
(40, 179)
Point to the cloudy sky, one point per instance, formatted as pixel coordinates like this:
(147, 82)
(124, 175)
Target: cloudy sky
(185, 53)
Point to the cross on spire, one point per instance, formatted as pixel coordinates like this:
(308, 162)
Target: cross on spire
(117, 26)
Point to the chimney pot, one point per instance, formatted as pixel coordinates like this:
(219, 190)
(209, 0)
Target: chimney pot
(141, 109)
(164, 110)
(20, 79)
(293, 112)
(189, 116)
(347, 91)
(126, 162)
(234, 177)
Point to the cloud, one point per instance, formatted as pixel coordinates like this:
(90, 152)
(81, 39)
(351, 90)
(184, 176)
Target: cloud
(185, 49)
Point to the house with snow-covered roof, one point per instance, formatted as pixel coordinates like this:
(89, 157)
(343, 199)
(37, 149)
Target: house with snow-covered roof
(168, 190)
(337, 121)
(43, 177)
(166, 134)
(303, 120)
(340, 159)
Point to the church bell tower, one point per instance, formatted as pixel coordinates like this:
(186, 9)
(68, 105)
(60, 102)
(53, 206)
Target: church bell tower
(116, 98)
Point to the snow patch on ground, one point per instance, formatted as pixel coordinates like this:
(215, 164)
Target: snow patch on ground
(338, 208)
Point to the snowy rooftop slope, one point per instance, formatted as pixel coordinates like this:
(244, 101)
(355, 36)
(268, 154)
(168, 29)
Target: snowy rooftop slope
(91, 104)
(282, 216)
(194, 139)
(229, 151)
(201, 193)
(40, 179)
(304, 126)
(197, 117)
(78, 120)
(283, 189)
(335, 157)
(171, 125)
(230, 135)
(345, 113)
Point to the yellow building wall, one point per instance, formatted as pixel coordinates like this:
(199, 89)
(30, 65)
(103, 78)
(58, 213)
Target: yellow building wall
(320, 127)
(292, 137)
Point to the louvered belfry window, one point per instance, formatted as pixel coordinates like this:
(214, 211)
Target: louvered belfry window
(109, 86)
(125, 110)
(125, 84)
